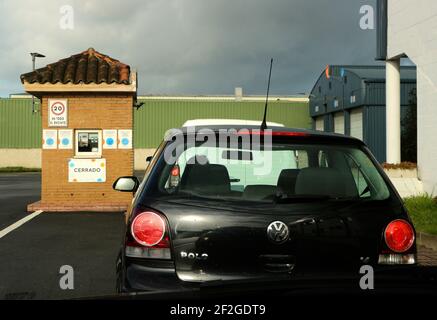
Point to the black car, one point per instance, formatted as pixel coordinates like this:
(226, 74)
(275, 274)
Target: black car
(220, 204)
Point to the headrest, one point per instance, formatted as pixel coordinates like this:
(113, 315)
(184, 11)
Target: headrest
(258, 192)
(287, 181)
(325, 181)
(206, 179)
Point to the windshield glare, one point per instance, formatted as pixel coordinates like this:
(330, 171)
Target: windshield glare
(281, 172)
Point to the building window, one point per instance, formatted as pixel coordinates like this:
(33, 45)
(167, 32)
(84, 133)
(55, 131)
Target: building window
(336, 103)
(320, 89)
(88, 143)
(330, 85)
(353, 99)
(345, 79)
(316, 109)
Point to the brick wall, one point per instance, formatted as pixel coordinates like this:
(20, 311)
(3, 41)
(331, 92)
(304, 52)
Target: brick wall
(88, 111)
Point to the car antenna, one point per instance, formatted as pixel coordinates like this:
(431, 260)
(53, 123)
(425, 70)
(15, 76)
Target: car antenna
(264, 122)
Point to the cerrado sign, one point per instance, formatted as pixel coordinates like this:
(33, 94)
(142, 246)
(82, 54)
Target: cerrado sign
(87, 170)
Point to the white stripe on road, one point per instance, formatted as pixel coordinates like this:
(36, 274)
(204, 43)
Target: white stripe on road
(19, 223)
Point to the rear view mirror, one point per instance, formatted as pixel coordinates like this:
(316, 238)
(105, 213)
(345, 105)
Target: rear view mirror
(126, 184)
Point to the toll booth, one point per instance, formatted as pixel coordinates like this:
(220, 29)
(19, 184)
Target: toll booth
(87, 119)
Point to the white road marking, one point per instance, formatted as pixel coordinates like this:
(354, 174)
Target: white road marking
(19, 223)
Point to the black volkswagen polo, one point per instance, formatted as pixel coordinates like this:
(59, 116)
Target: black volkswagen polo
(221, 204)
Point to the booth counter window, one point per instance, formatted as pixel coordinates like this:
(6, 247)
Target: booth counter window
(88, 143)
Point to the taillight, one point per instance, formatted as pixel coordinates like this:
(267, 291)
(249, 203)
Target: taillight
(148, 228)
(175, 176)
(150, 239)
(399, 236)
(175, 171)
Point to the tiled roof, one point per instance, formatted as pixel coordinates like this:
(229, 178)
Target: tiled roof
(86, 67)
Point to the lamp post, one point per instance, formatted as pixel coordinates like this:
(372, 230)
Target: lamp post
(34, 56)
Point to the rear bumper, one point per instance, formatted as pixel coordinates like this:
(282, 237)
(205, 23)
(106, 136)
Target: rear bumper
(137, 277)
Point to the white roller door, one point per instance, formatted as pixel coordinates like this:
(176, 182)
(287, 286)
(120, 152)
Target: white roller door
(339, 122)
(320, 124)
(357, 123)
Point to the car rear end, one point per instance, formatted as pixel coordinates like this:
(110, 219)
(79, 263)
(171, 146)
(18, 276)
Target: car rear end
(250, 205)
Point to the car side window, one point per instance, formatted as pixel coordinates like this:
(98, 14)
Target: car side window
(359, 179)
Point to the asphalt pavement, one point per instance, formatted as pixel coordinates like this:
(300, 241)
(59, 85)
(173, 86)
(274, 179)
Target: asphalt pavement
(33, 254)
(17, 190)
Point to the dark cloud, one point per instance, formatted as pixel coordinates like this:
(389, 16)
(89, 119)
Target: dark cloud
(192, 46)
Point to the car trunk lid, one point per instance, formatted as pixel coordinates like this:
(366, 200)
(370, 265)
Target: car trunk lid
(218, 241)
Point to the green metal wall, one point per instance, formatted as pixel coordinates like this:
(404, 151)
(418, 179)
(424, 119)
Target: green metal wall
(19, 128)
(155, 117)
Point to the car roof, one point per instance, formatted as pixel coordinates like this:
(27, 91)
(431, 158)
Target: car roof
(309, 133)
(227, 122)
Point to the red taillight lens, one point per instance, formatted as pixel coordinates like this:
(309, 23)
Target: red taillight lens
(399, 235)
(175, 171)
(148, 228)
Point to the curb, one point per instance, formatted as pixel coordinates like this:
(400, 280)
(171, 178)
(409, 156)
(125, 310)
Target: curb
(427, 240)
(67, 207)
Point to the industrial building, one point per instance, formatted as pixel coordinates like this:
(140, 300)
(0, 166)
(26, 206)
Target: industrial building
(351, 100)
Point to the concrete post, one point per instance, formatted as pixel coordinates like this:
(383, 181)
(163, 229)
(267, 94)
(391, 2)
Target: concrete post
(393, 111)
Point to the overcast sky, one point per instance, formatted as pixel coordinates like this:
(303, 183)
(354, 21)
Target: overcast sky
(191, 46)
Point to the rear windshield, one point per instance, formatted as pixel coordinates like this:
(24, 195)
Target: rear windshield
(280, 172)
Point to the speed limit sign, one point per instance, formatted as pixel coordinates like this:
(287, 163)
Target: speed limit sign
(57, 112)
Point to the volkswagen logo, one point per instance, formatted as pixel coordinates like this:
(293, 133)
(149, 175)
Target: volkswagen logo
(277, 231)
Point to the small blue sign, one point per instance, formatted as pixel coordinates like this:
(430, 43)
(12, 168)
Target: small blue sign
(125, 141)
(50, 141)
(342, 72)
(109, 141)
(65, 141)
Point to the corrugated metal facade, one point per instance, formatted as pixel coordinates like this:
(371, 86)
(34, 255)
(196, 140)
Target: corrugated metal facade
(360, 88)
(374, 129)
(376, 93)
(19, 128)
(155, 117)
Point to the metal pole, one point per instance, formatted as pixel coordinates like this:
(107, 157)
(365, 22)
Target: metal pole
(34, 56)
(33, 97)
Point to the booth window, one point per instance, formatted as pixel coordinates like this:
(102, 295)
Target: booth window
(88, 143)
